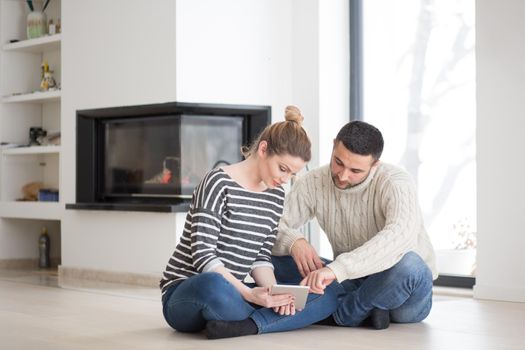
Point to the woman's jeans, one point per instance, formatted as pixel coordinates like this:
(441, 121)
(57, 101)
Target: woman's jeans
(405, 289)
(189, 304)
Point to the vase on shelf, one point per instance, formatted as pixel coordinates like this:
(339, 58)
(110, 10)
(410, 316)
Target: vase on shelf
(36, 24)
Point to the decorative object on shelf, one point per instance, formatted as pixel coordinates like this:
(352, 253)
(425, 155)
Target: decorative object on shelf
(48, 195)
(51, 139)
(48, 82)
(36, 21)
(30, 191)
(51, 27)
(43, 249)
(36, 24)
(36, 135)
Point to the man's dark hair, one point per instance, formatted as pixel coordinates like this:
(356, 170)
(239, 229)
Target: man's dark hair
(361, 138)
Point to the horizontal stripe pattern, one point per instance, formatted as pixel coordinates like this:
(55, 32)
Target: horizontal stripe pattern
(226, 225)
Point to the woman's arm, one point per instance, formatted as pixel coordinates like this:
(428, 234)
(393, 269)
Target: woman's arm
(263, 276)
(258, 295)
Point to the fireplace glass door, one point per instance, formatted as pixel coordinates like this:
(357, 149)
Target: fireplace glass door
(165, 156)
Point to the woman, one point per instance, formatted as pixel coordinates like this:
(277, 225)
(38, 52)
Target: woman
(229, 232)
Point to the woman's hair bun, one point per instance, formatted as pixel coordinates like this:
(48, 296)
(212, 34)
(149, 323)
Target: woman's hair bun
(293, 114)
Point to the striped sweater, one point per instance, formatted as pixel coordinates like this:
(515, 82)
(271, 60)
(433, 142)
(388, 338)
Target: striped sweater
(228, 226)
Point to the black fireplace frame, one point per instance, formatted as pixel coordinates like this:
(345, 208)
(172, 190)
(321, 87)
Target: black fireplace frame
(89, 137)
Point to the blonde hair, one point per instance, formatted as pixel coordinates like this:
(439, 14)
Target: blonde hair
(287, 137)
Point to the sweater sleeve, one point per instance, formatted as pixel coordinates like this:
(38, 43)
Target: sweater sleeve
(264, 258)
(206, 224)
(402, 219)
(299, 208)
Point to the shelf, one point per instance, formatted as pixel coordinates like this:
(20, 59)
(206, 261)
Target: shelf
(38, 45)
(31, 150)
(32, 210)
(34, 97)
(183, 207)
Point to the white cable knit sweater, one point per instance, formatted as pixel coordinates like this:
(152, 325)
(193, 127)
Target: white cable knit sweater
(370, 226)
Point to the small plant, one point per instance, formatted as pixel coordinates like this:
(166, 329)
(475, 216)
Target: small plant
(465, 236)
(32, 7)
(36, 20)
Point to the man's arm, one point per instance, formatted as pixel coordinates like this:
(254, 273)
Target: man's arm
(305, 257)
(298, 209)
(387, 247)
(318, 280)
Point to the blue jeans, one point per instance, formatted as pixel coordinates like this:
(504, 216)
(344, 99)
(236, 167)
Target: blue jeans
(405, 289)
(189, 304)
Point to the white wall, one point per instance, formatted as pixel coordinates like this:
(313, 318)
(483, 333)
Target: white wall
(334, 73)
(234, 51)
(123, 52)
(114, 53)
(305, 67)
(501, 167)
(268, 52)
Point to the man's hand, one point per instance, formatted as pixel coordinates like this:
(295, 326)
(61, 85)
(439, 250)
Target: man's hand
(305, 257)
(318, 280)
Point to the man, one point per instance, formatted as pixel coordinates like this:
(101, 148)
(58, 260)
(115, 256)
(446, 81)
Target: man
(369, 211)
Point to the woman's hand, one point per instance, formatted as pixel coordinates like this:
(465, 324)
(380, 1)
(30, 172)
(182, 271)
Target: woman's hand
(261, 296)
(286, 309)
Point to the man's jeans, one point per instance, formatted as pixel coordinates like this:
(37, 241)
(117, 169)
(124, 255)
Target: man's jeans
(405, 289)
(189, 304)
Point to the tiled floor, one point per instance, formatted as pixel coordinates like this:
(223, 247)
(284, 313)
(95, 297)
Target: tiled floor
(35, 314)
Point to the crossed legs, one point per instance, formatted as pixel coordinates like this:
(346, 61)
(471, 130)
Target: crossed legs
(405, 290)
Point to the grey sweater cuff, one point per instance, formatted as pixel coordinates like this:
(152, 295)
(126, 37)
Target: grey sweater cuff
(212, 265)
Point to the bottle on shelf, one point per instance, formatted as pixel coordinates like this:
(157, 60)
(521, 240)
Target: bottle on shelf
(43, 248)
(51, 27)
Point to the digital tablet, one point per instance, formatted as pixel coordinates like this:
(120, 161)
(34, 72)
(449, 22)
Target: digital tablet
(299, 292)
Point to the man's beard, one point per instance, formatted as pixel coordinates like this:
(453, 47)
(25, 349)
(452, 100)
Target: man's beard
(336, 181)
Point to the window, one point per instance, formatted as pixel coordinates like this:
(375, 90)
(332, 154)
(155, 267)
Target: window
(418, 88)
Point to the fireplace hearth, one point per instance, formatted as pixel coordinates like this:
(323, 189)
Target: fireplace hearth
(151, 157)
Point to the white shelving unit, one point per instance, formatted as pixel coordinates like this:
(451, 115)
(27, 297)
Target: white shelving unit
(34, 97)
(22, 106)
(31, 210)
(38, 45)
(31, 150)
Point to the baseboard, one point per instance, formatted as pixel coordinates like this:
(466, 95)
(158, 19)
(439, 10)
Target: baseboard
(455, 281)
(73, 276)
(499, 293)
(25, 263)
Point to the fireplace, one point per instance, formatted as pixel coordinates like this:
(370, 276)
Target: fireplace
(151, 157)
